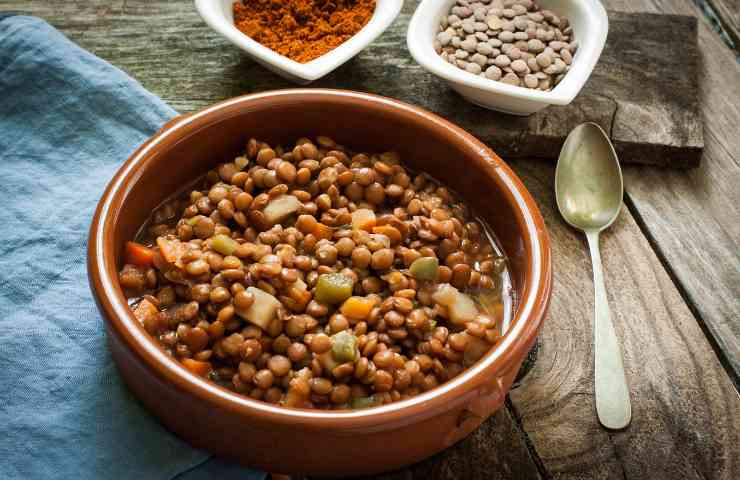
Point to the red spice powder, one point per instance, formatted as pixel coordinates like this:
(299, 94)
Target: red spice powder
(302, 30)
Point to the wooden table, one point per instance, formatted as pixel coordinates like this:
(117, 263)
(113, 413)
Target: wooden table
(672, 260)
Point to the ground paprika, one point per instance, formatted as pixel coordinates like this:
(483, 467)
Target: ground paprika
(302, 30)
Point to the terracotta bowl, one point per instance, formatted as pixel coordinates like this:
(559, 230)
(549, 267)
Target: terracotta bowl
(316, 442)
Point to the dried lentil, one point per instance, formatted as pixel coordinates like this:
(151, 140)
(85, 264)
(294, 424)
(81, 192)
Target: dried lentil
(507, 41)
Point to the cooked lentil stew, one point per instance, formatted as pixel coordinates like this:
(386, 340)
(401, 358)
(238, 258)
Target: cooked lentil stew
(316, 277)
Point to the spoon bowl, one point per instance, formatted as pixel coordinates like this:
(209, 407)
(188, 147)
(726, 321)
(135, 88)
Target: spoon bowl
(588, 180)
(588, 191)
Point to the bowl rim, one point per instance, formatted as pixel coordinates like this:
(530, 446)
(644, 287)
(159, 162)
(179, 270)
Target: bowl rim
(385, 13)
(531, 309)
(588, 54)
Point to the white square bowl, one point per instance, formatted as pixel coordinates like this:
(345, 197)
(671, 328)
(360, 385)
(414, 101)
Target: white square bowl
(218, 14)
(590, 26)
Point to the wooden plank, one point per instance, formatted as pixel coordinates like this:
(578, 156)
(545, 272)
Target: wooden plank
(688, 218)
(686, 412)
(692, 217)
(660, 90)
(198, 58)
(677, 210)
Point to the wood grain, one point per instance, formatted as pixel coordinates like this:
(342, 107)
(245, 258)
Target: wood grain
(686, 413)
(728, 12)
(687, 217)
(198, 59)
(692, 217)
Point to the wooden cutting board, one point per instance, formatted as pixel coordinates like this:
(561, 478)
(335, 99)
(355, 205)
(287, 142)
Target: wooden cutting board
(643, 92)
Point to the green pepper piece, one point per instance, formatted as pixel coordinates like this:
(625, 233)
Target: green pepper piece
(424, 268)
(224, 244)
(364, 402)
(344, 347)
(333, 288)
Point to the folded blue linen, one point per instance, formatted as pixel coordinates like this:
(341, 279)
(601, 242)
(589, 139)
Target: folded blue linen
(67, 121)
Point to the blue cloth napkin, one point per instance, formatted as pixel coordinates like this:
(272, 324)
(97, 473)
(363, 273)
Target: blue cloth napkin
(67, 121)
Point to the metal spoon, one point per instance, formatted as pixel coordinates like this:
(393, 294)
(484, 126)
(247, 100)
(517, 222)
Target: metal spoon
(588, 191)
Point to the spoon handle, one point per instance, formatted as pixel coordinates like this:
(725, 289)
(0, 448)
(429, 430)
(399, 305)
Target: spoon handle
(610, 383)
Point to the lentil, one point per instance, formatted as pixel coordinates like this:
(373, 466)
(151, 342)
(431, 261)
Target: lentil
(507, 42)
(332, 280)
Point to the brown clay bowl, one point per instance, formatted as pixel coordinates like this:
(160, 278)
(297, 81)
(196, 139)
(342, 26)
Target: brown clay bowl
(316, 442)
